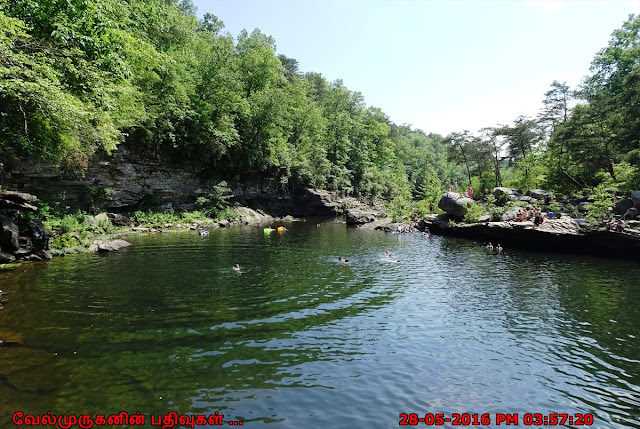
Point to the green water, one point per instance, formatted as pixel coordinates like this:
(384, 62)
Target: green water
(297, 339)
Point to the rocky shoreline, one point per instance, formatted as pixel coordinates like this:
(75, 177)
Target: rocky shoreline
(564, 234)
(33, 245)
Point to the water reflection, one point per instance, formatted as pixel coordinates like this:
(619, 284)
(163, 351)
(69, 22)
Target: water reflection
(297, 337)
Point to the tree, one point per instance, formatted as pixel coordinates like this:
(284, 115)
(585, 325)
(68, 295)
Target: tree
(556, 106)
(460, 148)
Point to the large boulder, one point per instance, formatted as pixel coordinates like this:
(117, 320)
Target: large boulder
(511, 192)
(635, 197)
(454, 204)
(253, 217)
(584, 206)
(360, 217)
(9, 234)
(510, 214)
(623, 205)
(120, 220)
(538, 194)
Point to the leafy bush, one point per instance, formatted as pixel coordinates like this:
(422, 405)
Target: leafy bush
(503, 199)
(96, 196)
(399, 208)
(217, 199)
(602, 197)
(474, 211)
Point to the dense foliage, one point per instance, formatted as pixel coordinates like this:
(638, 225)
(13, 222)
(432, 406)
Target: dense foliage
(81, 76)
(583, 140)
(85, 75)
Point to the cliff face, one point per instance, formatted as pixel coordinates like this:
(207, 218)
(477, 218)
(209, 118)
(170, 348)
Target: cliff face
(125, 182)
(131, 180)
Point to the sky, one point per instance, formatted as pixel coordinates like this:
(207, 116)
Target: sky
(440, 66)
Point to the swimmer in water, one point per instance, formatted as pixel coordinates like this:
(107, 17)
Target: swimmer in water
(489, 246)
(236, 267)
(499, 248)
(346, 262)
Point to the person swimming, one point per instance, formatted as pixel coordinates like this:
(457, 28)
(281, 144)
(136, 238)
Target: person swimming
(204, 233)
(346, 262)
(489, 246)
(499, 248)
(236, 267)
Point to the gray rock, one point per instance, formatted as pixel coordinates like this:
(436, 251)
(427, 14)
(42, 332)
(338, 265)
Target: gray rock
(485, 218)
(17, 201)
(527, 199)
(635, 197)
(102, 217)
(454, 204)
(120, 220)
(108, 246)
(252, 217)
(584, 206)
(622, 206)
(41, 255)
(511, 192)
(360, 217)
(224, 223)
(538, 194)
(21, 253)
(9, 234)
(6, 258)
(510, 214)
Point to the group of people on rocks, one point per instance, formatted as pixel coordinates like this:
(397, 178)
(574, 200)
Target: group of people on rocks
(613, 225)
(534, 214)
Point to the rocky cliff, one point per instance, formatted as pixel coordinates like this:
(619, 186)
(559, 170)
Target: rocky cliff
(126, 181)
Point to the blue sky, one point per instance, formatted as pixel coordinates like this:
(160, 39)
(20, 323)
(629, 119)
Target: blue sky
(441, 66)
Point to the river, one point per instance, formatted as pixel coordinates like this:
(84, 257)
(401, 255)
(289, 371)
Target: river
(297, 339)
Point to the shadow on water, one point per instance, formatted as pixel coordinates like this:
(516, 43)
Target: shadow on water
(297, 337)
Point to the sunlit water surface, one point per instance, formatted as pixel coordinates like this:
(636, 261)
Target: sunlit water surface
(298, 340)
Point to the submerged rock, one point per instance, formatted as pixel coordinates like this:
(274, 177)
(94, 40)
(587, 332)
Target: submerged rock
(108, 246)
